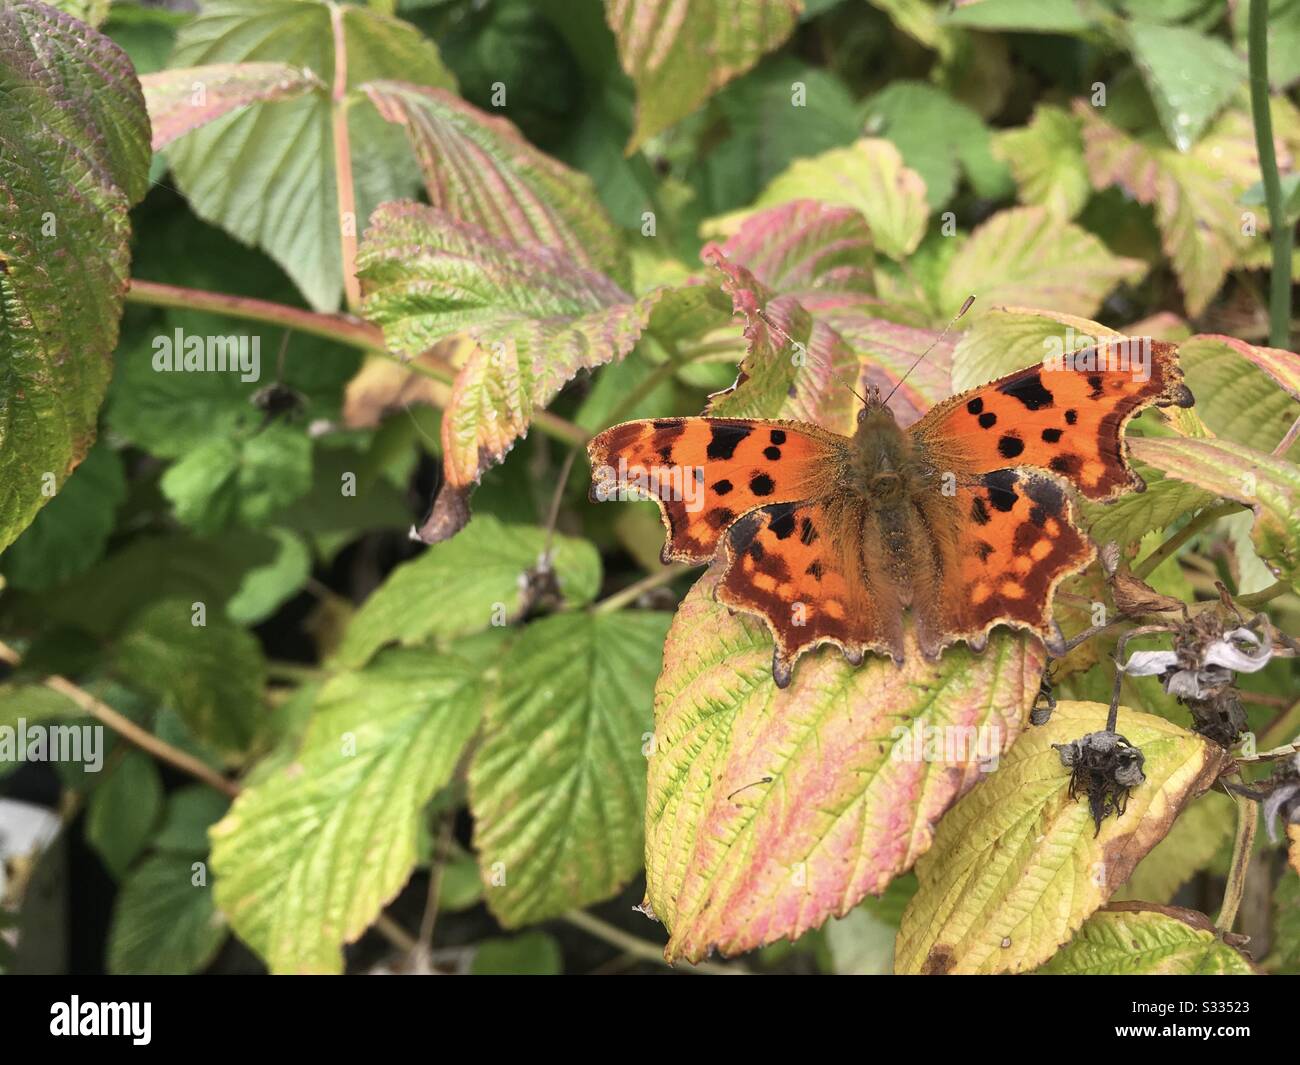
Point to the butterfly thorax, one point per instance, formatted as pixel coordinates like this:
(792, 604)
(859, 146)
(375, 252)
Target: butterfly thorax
(885, 466)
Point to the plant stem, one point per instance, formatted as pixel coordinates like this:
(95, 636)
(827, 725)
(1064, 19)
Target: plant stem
(340, 328)
(1265, 595)
(429, 920)
(1202, 519)
(1284, 445)
(640, 948)
(347, 197)
(633, 591)
(1247, 821)
(1279, 302)
(129, 730)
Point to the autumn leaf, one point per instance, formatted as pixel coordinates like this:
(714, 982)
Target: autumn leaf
(769, 811)
(74, 157)
(1018, 866)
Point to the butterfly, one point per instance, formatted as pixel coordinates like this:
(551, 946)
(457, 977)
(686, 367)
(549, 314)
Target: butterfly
(964, 519)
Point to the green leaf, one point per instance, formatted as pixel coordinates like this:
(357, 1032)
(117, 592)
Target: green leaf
(680, 54)
(265, 173)
(164, 922)
(536, 316)
(1237, 391)
(1031, 16)
(182, 100)
(530, 954)
(212, 674)
(1270, 486)
(534, 200)
(241, 480)
(265, 589)
(1286, 903)
(1190, 75)
(69, 536)
(768, 811)
(91, 12)
(1046, 159)
(123, 809)
(74, 156)
(557, 784)
(940, 138)
(1025, 256)
(310, 852)
(1283, 39)
(1164, 502)
(868, 176)
(1017, 867)
(1143, 939)
(1001, 340)
(465, 585)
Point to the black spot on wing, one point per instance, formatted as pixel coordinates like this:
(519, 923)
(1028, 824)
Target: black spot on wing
(777, 436)
(1052, 436)
(761, 485)
(722, 487)
(975, 405)
(772, 454)
(1002, 489)
(988, 420)
(721, 517)
(807, 533)
(1010, 445)
(1095, 383)
(723, 440)
(1065, 464)
(781, 521)
(983, 548)
(1071, 416)
(1028, 390)
(979, 511)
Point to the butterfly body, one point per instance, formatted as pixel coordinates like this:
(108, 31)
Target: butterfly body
(962, 520)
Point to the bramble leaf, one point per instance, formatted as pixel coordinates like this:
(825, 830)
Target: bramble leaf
(679, 54)
(309, 854)
(1046, 158)
(1270, 486)
(1143, 939)
(557, 785)
(74, 156)
(1017, 866)
(265, 173)
(465, 585)
(769, 811)
(479, 169)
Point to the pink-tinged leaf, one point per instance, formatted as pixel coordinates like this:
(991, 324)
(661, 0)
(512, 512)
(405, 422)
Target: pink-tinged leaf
(869, 177)
(1029, 257)
(74, 149)
(768, 811)
(1195, 194)
(480, 169)
(679, 53)
(1270, 486)
(819, 337)
(536, 317)
(184, 99)
(806, 247)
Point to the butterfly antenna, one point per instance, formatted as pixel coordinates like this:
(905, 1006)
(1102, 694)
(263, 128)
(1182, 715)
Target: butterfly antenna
(964, 308)
(790, 340)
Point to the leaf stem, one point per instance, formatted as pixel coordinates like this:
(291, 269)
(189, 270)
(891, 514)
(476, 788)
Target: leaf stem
(634, 591)
(429, 920)
(640, 948)
(1202, 519)
(1247, 822)
(1279, 302)
(347, 197)
(1265, 595)
(129, 730)
(340, 328)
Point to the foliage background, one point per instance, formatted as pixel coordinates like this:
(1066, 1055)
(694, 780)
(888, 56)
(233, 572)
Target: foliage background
(960, 151)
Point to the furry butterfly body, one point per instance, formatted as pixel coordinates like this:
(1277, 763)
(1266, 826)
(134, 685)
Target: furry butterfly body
(964, 519)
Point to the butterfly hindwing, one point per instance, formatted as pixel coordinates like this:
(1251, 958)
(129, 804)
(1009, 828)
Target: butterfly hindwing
(1067, 418)
(801, 566)
(705, 473)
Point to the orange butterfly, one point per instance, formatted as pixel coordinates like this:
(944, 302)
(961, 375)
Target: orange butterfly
(961, 518)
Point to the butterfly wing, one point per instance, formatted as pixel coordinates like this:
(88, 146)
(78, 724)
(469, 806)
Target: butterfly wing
(705, 473)
(1066, 416)
(808, 569)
